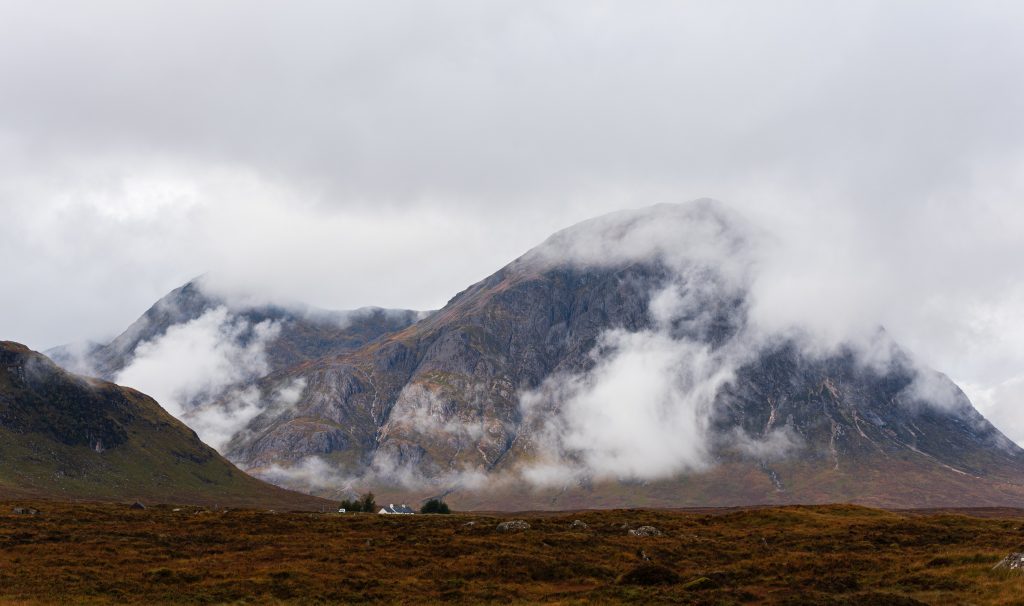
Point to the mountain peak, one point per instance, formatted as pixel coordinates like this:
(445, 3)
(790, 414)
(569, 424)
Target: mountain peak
(700, 233)
(11, 350)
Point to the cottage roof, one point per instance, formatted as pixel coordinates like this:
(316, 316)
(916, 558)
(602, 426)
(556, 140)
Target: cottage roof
(392, 508)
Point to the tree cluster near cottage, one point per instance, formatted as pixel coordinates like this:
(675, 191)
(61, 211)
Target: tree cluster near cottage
(366, 503)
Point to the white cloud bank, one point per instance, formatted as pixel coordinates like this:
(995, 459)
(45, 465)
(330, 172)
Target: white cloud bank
(193, 369)
(1002, 404)
(643, 410)
(317, 150)
(641, 413)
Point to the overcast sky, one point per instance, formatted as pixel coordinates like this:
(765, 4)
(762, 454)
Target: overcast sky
(391, 153)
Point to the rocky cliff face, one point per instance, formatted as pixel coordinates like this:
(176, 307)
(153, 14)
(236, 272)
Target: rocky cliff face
(616, 364)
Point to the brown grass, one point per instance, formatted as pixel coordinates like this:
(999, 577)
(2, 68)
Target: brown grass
(102, 553)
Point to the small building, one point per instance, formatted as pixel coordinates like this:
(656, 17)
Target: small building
(392, 508)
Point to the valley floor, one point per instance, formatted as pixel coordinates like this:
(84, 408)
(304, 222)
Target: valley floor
(102, 553)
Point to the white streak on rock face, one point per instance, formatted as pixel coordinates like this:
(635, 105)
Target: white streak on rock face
(191, 368)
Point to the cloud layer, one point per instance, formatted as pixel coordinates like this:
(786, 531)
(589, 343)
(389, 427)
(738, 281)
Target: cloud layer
(330, 151)
(194, 368)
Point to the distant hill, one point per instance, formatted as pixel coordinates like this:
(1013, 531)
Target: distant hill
(64, 436)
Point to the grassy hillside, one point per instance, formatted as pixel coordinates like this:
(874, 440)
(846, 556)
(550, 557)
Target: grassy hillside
(68, 437)
(836, 555)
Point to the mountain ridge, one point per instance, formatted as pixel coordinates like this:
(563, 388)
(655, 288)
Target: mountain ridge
(330, 330)
(618, 359)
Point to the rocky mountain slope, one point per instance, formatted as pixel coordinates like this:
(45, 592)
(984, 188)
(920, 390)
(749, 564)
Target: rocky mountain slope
(516, 382)
(617, 364)
(70, 437)
(305, 333)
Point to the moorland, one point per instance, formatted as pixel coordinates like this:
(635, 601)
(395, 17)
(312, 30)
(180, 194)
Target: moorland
(93, 553)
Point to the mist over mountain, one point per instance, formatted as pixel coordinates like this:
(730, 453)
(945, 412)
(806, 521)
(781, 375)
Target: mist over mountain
(652, 356)
(197, 346)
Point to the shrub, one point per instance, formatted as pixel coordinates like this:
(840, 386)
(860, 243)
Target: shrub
(435, 506)
(367, 503)
(650, 574)
(354, 505)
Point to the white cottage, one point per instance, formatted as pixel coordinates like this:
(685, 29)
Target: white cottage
(392, 508)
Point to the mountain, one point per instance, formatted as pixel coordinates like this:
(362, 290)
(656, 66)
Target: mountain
(619, 364)
(69, 437)
(305, 332)
(465, 364)
(199, 352)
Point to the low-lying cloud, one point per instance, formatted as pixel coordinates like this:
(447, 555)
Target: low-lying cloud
(643, 409)
(640, 413)
(423, 411)
(195, 369)
(316, 474)
(1002, 405)
(774, 445)
(335, 141)
(311, 474)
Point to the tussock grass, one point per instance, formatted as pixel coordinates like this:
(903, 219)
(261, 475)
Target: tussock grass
(102, 553)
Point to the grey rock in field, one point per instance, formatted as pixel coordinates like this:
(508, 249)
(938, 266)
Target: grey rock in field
(1014, 561)
(25, 511)
(513, 526)
(645, 531)
(579, 525)
(137, 505)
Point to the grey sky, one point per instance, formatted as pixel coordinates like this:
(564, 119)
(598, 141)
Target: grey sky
(391, 153)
